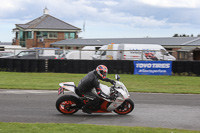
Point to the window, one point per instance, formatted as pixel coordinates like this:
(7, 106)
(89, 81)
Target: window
(39, 34)
(21, 36)
(17, 35)
(26, 53)
(186, 55)
(52, 35)
(41, 52)
(163, 52)
(182, 55)
(29, 34)
(43, 34)
(102, 53)
(69, 35)
(59, 52)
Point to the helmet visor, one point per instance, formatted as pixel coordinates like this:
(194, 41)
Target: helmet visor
(104, 74)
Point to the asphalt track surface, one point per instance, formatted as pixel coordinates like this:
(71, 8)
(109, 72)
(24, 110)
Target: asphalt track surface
(180, 111)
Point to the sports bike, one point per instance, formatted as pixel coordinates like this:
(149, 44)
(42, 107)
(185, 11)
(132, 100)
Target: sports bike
(70, 103)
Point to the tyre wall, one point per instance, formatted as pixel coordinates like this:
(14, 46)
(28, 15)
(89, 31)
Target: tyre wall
(84, 66)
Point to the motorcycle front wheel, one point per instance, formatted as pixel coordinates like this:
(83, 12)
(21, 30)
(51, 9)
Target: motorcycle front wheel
(68, 104)
(126, 107)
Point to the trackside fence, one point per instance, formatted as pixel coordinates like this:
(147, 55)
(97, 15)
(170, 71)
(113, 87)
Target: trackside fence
(84, 66)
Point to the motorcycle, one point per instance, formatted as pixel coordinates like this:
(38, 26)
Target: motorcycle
(71, 103)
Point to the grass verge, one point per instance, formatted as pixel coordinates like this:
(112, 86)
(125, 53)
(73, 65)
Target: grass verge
(134, 83)
(80, 128)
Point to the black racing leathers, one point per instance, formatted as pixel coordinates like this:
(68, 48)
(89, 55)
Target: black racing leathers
(90, 81)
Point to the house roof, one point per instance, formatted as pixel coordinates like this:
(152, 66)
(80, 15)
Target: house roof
(194, 42)
(47, 21)
(164, 41)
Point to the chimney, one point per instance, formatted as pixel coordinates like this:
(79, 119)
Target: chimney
(46, 11)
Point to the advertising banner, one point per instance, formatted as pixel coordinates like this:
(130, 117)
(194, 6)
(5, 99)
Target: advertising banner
(153, 67)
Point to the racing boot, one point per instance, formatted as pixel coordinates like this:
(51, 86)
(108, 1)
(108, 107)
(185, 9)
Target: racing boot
(86, 110)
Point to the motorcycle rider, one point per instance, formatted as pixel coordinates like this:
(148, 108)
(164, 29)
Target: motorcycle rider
(90, 81)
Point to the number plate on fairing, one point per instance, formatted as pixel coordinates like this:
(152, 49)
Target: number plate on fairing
(60, 90)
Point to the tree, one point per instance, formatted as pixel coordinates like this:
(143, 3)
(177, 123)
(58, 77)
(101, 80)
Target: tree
(176, 35)
(184, 35)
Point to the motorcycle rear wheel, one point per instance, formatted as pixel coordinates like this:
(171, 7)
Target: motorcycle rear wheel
(126, 107)
(67, 104)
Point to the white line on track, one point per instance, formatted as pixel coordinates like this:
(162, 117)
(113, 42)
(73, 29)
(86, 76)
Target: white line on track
(11, 91)
(4, 91)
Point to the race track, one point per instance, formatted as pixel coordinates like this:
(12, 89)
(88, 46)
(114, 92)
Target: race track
(179, 111)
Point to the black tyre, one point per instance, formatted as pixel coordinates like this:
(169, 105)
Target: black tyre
(126, 107)
(68, 104)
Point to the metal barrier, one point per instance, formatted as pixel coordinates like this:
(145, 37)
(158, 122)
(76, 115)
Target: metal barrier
(87, 54)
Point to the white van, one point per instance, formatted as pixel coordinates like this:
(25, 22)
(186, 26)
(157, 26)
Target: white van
(132, 52)
(85, 54)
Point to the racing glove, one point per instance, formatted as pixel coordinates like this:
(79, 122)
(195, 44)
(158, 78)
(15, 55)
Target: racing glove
(109, 80)
(112, 82)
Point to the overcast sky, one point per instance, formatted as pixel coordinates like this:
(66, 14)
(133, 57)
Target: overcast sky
(108, 18)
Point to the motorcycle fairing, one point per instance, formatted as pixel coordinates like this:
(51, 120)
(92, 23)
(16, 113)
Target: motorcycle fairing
(123, 94)
(103, 108)
(120, 87)
(70, 86)
(115, 104)
(105, 89)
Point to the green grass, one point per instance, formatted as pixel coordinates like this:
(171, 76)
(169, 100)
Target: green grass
(134, 83)
(80, 128)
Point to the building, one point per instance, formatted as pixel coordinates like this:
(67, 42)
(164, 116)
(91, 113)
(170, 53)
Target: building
(43, 31)
(172, 44)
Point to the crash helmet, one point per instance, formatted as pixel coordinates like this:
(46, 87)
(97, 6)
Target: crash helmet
(102, 71)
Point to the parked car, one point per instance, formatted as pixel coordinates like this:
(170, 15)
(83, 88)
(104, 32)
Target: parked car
(6, 53)
(30, 54)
